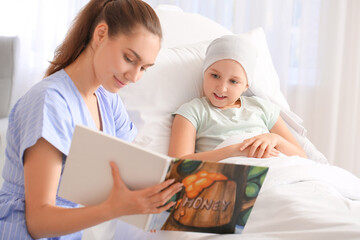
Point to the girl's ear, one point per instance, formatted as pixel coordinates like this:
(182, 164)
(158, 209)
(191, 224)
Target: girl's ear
(247, 86)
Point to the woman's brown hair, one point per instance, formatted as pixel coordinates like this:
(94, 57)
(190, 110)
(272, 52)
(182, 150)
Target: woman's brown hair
(120, 15)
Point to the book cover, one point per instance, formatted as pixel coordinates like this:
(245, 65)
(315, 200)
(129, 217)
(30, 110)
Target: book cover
(217, 197)
(87, 178)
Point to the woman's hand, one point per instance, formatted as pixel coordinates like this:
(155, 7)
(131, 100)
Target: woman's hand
(261, 146)
(123, 201)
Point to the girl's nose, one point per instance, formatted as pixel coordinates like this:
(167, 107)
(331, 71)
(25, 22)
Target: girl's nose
(221, 86)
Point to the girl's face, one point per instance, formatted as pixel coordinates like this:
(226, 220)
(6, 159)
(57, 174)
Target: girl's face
(224, 82)
(122, 60)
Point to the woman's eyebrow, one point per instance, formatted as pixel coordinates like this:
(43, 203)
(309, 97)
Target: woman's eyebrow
(135, 53)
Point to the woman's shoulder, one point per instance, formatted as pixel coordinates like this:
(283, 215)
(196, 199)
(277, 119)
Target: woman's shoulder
(52, 90)
(53, 84)
(44, 111)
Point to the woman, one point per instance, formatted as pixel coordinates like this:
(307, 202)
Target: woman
(110, 45)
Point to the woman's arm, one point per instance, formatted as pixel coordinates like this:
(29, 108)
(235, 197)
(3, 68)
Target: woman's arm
(182, 144)
(279, 137)
(42, 169)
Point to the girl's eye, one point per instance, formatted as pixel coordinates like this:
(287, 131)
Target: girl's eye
(215, 75)
(143, 69)
(233, 81)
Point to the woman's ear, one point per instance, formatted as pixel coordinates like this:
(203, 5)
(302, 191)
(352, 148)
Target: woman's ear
(100, 33)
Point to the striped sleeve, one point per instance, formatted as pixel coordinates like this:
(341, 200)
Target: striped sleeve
(45, 115)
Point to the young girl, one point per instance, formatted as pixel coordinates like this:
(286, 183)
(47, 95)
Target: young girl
(202, 124)
(110, 45)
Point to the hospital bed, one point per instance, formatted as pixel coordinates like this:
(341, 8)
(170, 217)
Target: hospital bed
(300, 199)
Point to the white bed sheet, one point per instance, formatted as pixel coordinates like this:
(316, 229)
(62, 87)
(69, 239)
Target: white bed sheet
(300, 199)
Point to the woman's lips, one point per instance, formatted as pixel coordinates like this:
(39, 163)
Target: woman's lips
(119, 83)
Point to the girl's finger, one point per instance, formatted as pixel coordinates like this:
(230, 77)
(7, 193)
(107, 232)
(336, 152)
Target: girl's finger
(267, 152)
(253, 148)
(274, 153)
(261, 150)
(246, 143)
(271, 151)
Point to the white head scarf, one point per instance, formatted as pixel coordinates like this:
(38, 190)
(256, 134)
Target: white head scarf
(235, 47)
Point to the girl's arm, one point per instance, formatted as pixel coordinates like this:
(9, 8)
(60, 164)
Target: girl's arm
(42, 169)
(182, 144)
(279, 137)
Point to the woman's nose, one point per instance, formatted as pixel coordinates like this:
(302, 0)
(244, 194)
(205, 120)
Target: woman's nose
(132, 75)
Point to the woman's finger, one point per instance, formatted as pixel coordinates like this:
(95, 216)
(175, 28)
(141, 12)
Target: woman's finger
(118, 182)
(164, 196)
(163, 208)
(150, 191)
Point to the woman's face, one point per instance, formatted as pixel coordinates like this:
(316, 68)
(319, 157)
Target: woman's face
(224, 82)
(123, 59)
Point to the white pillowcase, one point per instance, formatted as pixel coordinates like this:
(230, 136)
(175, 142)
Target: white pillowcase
(176, 78)
(173, 80)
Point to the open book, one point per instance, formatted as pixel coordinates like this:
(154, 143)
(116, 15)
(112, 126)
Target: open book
(217, 197)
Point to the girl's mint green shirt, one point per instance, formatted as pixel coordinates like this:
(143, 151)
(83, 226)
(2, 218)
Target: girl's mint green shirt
(213, 125)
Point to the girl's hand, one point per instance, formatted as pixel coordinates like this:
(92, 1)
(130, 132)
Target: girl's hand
(261, 146)
(123, 201)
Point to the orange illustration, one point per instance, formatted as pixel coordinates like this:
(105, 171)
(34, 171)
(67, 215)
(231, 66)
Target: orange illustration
(195, 183)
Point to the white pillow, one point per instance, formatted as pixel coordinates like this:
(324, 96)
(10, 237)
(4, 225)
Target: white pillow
(176, 78)
(266, 82)
(173, 80)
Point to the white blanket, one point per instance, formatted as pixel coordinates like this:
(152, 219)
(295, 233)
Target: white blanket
(300, 199)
